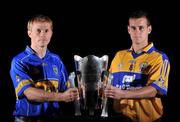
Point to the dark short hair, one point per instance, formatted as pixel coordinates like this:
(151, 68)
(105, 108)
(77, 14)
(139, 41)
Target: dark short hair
(139, 14)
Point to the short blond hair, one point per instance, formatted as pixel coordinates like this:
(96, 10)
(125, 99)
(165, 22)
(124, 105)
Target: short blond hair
(39, 18)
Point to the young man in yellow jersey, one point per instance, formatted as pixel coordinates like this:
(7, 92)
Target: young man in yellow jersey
(140, 74)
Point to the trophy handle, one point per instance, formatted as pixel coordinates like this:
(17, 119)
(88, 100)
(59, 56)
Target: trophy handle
(78, 60)
(104, 62)
(105, 99)
(76, 102)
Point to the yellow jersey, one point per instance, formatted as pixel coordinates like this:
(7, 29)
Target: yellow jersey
(135, 70)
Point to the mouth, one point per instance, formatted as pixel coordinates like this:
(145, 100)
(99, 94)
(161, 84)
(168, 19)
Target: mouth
(137, 37)
(43, 40)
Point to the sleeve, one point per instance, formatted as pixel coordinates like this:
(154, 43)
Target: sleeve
(19, 76)
(115, 64)
(63, 77)
(160, 73)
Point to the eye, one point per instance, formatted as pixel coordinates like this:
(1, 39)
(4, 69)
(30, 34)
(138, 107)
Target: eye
(141, 28)
(46, 30)
(39, 30)
(133, 28)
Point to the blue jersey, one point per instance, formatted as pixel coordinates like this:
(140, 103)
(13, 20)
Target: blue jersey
(28, 70)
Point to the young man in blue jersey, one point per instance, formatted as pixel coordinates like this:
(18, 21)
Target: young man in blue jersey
(39, 76)
(140, 74)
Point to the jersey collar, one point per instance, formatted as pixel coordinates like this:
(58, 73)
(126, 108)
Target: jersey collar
(30, 51)
(148, 49)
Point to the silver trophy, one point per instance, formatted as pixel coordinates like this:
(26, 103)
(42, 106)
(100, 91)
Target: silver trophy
(91, 73)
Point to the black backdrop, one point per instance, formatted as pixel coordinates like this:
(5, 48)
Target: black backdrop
(83, 29)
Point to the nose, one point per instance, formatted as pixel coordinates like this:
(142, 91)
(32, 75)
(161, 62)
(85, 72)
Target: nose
(137, 31)
(42, 33)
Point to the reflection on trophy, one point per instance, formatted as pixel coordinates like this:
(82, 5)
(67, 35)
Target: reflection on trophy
(92, 77)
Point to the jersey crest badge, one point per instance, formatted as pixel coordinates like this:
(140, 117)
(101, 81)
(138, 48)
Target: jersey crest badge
(55, 69)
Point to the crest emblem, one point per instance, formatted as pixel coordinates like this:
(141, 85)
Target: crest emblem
(143, 66)
(55, 69)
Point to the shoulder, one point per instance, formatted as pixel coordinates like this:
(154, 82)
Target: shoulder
(160, 54)
(121, 52)
(55, 57)
(20, 57)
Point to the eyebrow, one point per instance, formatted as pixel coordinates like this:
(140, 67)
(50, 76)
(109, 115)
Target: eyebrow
(137, 26)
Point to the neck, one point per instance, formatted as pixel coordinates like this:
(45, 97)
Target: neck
(139, 47)
(40, 51)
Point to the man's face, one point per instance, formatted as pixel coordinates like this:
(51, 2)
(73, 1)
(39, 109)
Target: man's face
(139, 29)
(40, 34)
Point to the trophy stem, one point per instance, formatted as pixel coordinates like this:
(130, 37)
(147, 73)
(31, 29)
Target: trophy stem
(77, 108)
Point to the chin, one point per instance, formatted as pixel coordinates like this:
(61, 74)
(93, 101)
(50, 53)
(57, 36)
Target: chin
(42, 46)
(137, 41)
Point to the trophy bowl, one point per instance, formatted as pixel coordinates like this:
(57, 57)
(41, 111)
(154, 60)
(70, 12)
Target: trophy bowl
(91, 74)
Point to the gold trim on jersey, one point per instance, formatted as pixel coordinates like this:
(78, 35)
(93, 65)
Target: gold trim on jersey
(50, 86)
(21, 84)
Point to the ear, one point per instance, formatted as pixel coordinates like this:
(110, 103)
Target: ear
(29, 33)
(149, 29)
(128, 29)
